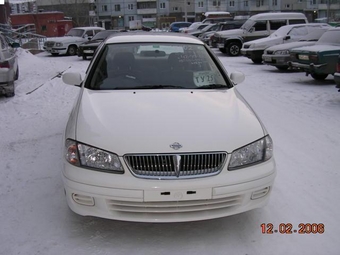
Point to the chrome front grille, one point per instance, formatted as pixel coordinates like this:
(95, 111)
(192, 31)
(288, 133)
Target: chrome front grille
(49, 44)
(173, 166)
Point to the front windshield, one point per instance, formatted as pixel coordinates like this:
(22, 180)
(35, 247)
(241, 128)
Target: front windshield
(102, 35)
(248, 24)
(155, 66)
(282, 31)
(75, 32)
(330, 37)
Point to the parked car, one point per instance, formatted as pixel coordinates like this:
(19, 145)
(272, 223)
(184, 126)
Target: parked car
(9, 68)
(175, 26)
(194, 27)
(87, 49)
(69, 43)
(256, 27)
(321, 59)
(208, 28)
(285, 34)
(279, 55)
(209, 37)
(135, 149)
(337, 74)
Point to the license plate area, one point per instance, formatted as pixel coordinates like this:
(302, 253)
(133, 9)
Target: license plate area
(303, 57)
(267, 59)
(177, 195)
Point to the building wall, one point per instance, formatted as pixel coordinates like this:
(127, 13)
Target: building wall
(50, 24)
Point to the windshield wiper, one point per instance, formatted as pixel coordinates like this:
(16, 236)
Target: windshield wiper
(214, 86)
(152, 87)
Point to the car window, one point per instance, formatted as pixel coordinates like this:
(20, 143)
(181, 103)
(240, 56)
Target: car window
(276, 24)
(141, 65)
(296, 21)
(260, 26)
(330, 37)
(75, 32)
(89, 33)
(298, 31)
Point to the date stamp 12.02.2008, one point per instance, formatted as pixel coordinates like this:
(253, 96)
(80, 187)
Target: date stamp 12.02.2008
(288, 228)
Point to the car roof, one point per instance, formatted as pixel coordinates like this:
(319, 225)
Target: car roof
(130, 37)
(89, 28)
(180, 22)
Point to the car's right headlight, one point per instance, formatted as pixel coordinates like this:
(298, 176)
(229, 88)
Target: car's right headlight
(79, 154)
(282, 52)
(254, 153)
(59, 44)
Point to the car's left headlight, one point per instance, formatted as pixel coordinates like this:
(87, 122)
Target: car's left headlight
(254, 153)
(282, 52)
(79, 154)
(59, 44)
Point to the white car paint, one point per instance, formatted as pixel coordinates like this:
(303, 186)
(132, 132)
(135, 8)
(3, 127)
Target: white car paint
(137, 121)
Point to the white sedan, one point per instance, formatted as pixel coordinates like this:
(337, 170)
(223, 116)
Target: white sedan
(159, 133)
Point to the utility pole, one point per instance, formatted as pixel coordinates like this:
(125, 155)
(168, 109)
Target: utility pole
(328, 4)
(185, 11)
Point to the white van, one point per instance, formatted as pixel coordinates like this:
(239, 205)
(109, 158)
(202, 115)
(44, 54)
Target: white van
(256, 27)
(285, 34)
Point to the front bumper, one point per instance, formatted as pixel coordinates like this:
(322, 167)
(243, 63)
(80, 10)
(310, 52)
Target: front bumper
(125, 197)
(276, 60)
(55, 50)
(337, 80)
(252, 54)
(310, 68)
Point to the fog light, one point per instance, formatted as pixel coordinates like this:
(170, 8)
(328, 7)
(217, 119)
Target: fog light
(83, 200)
(259, 193)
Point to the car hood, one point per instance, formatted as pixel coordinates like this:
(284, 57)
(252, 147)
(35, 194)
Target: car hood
(65, 39)
(231, 32)
(266, 42)
(318, 48)
(291, 45)
(145, 121)
(92, 43)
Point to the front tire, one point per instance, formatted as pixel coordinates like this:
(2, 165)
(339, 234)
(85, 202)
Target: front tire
(234, 49)
(72, 50)
(16, 77)
(11, 92)
(282, 68)
(222, 50)
(84, 57)
(319, 77)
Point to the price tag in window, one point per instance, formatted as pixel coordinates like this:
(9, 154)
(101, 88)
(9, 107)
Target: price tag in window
(204, 78)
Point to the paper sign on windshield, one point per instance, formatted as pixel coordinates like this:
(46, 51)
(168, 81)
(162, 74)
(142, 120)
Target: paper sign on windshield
(204, 78)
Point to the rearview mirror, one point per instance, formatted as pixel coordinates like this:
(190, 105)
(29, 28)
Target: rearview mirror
(72, 78)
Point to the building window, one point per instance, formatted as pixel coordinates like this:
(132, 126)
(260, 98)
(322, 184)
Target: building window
(216, 3)
(117, 7)
(274, 2)
(313, 2)
(162, 5)
(104, 8)
(232, 3)
(259, 3)
(245, 3)
(131, 18)
(200, 4)
(130, 6)
(287, 6)
(175, 8)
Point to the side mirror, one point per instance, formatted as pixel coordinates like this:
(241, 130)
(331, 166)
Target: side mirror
(237, 77)
(72, 78)
(251, 30)
(286, 37)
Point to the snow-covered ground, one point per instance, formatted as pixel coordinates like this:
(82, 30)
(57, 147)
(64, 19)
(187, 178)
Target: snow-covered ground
(302, 116)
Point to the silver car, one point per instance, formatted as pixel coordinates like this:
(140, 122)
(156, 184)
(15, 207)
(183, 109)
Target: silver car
(9, 69)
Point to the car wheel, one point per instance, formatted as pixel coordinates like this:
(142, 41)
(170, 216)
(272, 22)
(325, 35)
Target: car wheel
(72, 50)
(282, 68)
(233, 49)
(11, 92)
(55, 54)
(222, 50)
(16, 77)
(256, 60)
(84, 57)
(319, 77)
